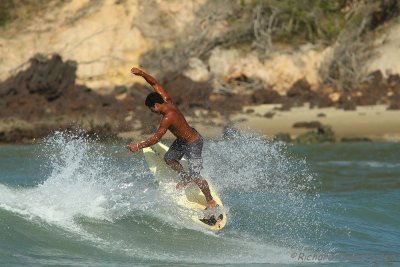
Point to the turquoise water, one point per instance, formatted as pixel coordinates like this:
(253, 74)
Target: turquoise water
(68, 201)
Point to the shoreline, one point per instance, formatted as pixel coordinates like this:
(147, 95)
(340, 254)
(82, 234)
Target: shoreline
(375, 123)
(366, 123)
(372, 122)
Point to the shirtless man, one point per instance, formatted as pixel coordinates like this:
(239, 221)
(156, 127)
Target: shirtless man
(188, 141)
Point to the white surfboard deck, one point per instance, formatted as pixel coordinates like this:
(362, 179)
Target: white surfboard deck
(192, 198)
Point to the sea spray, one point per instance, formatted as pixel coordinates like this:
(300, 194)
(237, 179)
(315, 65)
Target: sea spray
(82, 181)
(107, 197)
(121, 185)
(248, 168)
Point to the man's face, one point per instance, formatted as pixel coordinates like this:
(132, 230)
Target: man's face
(155, 108)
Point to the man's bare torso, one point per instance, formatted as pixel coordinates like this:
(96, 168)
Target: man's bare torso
(178, 124)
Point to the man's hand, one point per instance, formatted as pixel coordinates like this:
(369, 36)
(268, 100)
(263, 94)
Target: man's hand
(133, 147)
(136, 71)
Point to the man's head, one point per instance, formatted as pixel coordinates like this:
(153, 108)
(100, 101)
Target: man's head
(153, 100)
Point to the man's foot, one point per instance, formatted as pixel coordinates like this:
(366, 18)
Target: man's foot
(211, 204)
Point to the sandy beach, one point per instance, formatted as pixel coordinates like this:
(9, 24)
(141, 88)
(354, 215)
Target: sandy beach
(373, 122)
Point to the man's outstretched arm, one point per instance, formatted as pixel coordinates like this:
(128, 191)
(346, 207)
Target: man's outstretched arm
(162, 129)
(153, 82)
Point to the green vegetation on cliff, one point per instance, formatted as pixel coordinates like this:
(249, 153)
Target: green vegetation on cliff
(6, 12)
(269, 26)
(11, 10)
(293, 21)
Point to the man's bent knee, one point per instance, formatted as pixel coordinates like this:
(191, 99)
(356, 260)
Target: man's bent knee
(200, 182)
(170, 161)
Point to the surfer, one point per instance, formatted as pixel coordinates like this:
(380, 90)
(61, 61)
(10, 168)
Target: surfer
(188, 141)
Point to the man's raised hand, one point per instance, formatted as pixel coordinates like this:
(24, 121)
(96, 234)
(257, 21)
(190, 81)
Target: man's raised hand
(136, 71)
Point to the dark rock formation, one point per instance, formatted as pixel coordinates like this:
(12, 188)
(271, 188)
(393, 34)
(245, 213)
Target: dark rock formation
(186, 93)
(299, 93)
(308, 125)
(347, 102)
(265, 96)
(320, 100)
(45, 77)
(45, 97)
(283, 137)
(323, 134)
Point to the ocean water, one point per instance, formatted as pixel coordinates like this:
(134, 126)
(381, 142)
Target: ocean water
(70, 201)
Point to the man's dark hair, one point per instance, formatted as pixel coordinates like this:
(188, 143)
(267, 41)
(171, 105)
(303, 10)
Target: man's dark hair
(152, 99)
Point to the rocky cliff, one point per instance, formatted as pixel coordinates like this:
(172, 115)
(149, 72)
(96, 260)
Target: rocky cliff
(206, 38)
(230, 53)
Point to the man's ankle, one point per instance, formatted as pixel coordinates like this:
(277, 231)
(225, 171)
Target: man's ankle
(212, 203)
(184, 176)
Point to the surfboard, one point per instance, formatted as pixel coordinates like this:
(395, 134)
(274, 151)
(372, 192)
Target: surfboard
(192, 198)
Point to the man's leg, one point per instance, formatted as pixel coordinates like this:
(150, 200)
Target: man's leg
(174, 154)
(172, 157)
(176, 166)
(186, 179)
(195, 166)
(203, 185)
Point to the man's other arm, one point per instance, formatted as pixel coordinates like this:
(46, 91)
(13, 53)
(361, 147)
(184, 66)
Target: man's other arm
(162, 129)
(153, 82)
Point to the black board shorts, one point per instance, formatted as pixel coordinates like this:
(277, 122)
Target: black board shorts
(192, 152)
